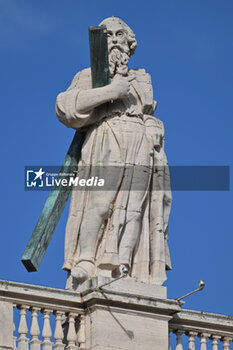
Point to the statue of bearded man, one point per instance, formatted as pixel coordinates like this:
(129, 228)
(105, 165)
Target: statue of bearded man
(126, 225)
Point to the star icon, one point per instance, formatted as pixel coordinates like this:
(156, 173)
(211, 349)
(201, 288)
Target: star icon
(38, 174)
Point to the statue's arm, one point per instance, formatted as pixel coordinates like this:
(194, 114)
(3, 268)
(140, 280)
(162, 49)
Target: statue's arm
(87, 100)
(74, 107)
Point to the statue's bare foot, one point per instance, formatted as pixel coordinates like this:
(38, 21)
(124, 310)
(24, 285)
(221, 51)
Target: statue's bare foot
(82, 271)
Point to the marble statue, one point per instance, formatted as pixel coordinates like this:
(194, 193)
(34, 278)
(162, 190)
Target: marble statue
(127, 225)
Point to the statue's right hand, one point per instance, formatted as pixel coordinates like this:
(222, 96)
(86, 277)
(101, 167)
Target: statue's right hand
(121, 85)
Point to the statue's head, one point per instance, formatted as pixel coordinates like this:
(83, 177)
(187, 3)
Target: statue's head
(120, 34)
(121, 45)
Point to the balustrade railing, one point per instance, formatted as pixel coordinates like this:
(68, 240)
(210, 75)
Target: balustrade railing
(202, 330)
(31, 337)
(47, 318)
(42, 317)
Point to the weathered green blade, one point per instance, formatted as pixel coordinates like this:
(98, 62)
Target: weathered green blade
(59, 195)
(99, 56)
(52, 210)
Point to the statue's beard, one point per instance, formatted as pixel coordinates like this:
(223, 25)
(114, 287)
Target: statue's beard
(118, 62)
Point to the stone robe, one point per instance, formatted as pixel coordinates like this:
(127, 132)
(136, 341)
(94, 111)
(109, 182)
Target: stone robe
(124, 143)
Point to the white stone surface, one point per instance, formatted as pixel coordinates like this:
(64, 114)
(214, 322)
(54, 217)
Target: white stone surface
(6, 325)
(123, 286)
(110, 319)
(104, 315)
(127, 225)
(119, 329)
(203, 322)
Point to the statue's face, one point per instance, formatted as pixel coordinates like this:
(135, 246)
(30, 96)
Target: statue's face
(117, 37)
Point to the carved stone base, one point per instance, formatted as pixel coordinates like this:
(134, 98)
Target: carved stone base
(124, 285)
(126, 315)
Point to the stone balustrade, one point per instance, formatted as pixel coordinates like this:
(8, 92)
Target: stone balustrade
(196, 330)
(42, 318)
(73, 338)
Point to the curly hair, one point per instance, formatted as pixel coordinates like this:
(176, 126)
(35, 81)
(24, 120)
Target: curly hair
(132, 42)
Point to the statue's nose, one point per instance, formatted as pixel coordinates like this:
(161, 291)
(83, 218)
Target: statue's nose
(114, 39)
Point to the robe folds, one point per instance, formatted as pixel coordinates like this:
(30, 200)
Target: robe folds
(125, 144)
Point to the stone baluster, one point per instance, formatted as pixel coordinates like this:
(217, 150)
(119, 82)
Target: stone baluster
(71, 335)
(14, 337)
(191, 336)
(47, 332)
(23, 328)
(82, 333)
(203, 337)
(226, 343)
(58, 334)
(215, 339)
(178, 334)
(35, 330)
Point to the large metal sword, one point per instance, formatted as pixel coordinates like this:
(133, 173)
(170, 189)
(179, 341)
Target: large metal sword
(59, 195)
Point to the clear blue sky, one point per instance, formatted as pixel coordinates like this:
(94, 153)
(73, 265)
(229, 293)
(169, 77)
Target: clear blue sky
(187, 48)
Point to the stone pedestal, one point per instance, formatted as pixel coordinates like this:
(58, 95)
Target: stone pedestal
(126, 315)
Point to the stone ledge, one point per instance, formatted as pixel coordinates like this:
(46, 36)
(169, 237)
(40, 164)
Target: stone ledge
(198, 321)
(123, 286)
(44, 297)
(119, 296)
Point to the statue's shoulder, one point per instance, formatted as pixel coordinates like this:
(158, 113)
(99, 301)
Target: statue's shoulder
(85, 73)
(141, 75)
(82, 79)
